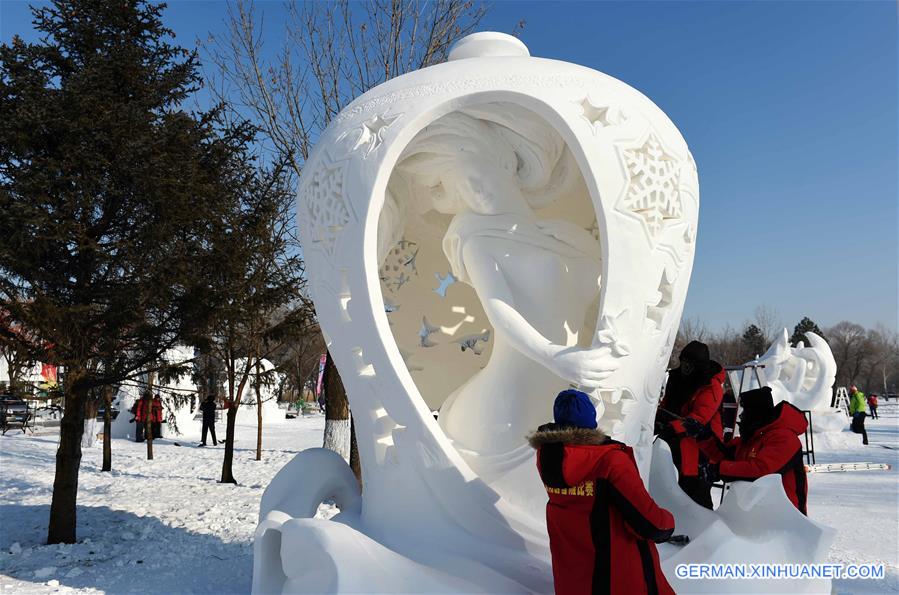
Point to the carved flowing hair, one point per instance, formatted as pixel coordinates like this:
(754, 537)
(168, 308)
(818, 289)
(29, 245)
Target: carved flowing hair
(506, 136)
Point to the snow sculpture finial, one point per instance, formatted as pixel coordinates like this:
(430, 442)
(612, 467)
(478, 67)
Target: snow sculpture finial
(487, 44)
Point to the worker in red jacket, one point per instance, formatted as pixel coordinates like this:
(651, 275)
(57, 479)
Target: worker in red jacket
(768, 443)
(603, 525)
(149, 406)
(691, 410)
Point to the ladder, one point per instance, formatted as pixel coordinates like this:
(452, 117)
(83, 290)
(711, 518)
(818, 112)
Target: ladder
(841, 401)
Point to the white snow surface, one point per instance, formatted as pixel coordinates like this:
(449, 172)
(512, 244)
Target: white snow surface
(160, 526)
(167, 526)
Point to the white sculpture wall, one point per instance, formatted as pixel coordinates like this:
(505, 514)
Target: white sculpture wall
(478, 235)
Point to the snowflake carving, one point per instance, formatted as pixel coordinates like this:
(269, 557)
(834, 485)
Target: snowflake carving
(653, 193)
(327, 205)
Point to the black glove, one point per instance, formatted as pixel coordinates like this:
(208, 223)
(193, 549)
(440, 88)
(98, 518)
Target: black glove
(664, 431)
(709, 473)
(696, 429)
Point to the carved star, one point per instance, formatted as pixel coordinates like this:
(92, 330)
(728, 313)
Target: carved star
(596, 116)
(372, 133)
(658, 308)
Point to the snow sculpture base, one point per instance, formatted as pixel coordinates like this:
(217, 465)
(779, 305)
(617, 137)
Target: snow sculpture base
(296, 553)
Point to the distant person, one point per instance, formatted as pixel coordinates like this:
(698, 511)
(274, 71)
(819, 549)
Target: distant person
(872, 405)
(156, 422)
(141, 409)
(603, 525)
(690, 411)
(768, 443)
(857, 412)
(208, 408)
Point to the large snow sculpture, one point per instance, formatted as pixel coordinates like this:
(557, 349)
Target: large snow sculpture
(478, 235)
(804, 376)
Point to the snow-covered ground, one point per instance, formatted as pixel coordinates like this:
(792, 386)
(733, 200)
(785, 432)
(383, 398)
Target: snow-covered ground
(167, 526)
(160, 526)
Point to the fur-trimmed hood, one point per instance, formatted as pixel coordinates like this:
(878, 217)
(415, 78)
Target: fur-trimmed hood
(554, 433)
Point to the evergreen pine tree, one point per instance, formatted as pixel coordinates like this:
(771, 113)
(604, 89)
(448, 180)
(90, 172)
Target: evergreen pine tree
(804, 326)
(104, 186)
(754, 341)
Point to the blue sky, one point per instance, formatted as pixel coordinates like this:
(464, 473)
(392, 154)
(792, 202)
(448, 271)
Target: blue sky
(790, 110)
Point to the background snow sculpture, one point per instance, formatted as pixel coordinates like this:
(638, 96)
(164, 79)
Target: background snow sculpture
(178, 396)
(268, 391)
(565, 165)
(804, 376)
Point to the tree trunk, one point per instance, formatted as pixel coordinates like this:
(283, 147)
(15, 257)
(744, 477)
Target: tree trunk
(337, 411)
(107, 429)
(355, 464)
(227, 475)
(68, 461)
(148, 420)
(258, 415)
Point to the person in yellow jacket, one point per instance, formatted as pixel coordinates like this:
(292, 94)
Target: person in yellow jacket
(857, 411)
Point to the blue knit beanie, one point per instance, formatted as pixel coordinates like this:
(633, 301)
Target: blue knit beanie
(574, 408)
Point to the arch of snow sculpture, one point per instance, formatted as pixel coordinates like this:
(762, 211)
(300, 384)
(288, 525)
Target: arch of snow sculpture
(478, 235)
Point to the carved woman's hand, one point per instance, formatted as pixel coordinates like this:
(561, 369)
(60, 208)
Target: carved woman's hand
(584, 367)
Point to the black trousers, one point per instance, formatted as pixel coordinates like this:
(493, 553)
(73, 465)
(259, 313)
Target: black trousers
(858, 426)
(698, 490)
(210, 427)
(873, 412)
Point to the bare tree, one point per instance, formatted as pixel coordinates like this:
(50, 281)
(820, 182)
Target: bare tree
(332, 53)
(691, 329)
(881, 360)
(768, 320)
(850, 347)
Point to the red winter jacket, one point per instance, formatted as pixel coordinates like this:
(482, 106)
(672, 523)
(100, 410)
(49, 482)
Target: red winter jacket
(775, 448)
(705, 404)
(705, 407)
(140, 413)
(602, 523)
